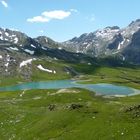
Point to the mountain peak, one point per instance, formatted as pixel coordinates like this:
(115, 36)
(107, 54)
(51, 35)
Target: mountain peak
(135, 23)
(113, 27)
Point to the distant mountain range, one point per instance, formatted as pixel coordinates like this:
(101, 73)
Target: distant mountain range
(16, 47)
(109, 41)
(17, 50)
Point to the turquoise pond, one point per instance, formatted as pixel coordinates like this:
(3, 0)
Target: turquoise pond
(100, 89)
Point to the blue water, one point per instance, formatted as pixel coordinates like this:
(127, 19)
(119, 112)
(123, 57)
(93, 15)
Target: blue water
(102, 89)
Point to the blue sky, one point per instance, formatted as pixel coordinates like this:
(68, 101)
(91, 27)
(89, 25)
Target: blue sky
(63, 19)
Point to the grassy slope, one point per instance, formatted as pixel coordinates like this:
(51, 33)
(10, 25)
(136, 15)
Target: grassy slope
(87, 73)
(28, 117)
(39, 75)
(117, 75)
(58, 66)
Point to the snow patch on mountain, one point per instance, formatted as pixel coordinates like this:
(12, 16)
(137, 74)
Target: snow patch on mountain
(29, 51)
(45, 69)
(121, 44)
(16, 40)
(7, 64)
(33, 46)
(7, 34)
(106, 33)
(14, 48)
(44, 48)
(1, 38)
(24, 63)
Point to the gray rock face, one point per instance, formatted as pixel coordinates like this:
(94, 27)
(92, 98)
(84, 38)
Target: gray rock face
(17, 48)
(132, 51)
(106, 42)
(19, 40)
(93, 43)
(117, 39)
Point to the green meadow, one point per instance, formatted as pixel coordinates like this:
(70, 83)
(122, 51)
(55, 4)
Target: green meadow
(68, 114)
(71, 114)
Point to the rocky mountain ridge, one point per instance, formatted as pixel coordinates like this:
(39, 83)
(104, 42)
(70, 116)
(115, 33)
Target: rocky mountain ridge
(18, 51)
(106, 42)
(16, 48)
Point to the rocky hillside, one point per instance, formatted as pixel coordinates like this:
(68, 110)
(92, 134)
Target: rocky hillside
(18, 51)
(48, 42)
(108, 41)
(132, 51)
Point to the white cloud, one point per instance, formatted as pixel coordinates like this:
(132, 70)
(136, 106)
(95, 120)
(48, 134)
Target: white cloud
(74, 10)
(4, 3)
(38, 19)
(41, 31)
(57, 14)
(50, 15)
(90, 18)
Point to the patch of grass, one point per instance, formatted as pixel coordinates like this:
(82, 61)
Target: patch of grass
(76, 113)
(28, 116)
(58, 67)
(37, 74)
(5, 81)
(119, 75)
(89, 73)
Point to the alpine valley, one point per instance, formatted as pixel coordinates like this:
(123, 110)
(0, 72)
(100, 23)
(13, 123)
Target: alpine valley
(18, 52)
(106, 56)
